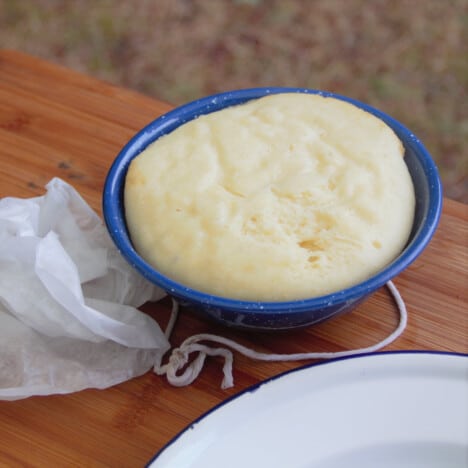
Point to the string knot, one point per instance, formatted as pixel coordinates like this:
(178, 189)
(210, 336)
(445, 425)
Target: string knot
(180, 371)
(179, 361)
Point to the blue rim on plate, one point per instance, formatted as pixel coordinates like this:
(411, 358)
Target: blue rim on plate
(428, 209)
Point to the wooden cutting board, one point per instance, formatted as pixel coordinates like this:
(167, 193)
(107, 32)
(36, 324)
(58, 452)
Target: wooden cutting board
(55, 122)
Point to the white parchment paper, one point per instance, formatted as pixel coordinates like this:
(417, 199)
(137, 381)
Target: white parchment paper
(68, 300)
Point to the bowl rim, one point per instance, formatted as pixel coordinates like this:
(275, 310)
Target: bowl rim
(115, 219)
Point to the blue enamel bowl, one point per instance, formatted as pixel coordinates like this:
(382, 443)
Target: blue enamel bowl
(272, 315)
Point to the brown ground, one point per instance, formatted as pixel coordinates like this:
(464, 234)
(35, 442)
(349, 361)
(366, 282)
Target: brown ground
(407, 57)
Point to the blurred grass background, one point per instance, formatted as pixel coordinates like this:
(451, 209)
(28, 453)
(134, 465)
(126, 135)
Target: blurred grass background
(408, 58)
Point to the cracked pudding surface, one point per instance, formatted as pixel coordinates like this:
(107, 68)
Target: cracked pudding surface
(285, 197)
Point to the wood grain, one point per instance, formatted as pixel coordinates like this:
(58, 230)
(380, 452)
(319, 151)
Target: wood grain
(55, 122)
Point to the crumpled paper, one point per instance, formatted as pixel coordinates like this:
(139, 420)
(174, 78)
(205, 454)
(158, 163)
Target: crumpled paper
(68, 317)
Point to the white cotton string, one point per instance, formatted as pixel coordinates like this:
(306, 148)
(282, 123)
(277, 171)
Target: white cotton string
(179, 358)
(167, 333)
(172, 319)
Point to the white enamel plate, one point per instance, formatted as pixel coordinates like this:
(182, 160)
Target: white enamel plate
(397, 409)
